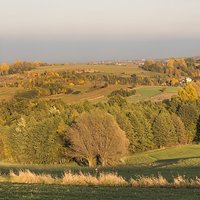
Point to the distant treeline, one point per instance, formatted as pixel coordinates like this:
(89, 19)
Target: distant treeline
(175, 67)
(19, 67)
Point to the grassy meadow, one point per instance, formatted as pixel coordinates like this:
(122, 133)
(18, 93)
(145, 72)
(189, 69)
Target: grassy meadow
(169, 162)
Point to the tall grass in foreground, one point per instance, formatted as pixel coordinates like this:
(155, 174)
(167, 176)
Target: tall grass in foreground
(143, 181)
(30, 177)
(78, 179)
(103, 179)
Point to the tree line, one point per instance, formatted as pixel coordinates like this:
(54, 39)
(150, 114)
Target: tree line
(175, 67)
(51, 131)
(19, 67)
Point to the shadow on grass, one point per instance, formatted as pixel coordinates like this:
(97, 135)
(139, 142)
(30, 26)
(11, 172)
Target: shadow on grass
(168, 162)
(167, 168)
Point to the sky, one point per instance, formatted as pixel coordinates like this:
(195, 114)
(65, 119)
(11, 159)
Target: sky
(62, 31)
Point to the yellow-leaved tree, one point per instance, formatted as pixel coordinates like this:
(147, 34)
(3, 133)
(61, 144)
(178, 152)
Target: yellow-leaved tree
(4, 67)
(189, 92)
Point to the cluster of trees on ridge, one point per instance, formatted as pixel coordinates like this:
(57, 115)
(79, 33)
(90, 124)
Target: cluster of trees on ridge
(19, 67)
(50, 131)
(175, 67)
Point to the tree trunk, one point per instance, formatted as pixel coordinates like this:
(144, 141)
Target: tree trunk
(103, 163)
(91, 162)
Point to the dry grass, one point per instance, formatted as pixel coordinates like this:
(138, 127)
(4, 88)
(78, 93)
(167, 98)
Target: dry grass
(104, 179)
(110, 179)
(143, 181)
(30, 177)
(78, 179)
(181, 181)
(195, 182)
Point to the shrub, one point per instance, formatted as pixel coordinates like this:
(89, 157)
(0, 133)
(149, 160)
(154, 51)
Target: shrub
(29, 94)
(122, 92)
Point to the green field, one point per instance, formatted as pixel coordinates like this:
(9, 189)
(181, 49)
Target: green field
(24, 191)
(170, 162)
(144, 93)
(153, 93)
(92, 96)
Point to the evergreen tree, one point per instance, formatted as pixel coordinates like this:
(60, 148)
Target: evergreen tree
(142, 130)
(179, 128)
(125, 125)
(188, 112)
(164, 130)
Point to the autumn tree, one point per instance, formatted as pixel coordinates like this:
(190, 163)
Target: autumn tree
(4, 67)
(96, 137)
(170, 66)
(189, 92)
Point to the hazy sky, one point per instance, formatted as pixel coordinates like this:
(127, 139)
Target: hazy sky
(86, 30)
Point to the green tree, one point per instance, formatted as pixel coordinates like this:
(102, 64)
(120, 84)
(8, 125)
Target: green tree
(125, 124)
(164, 130)
(189, 114)
(142, 130)
(179, 128)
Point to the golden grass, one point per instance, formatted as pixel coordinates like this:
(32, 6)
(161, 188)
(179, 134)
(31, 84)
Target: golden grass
(79, 179)
(181, 181)
(30, 177)
(195, 182)
(111, 179)
(143, 181)
(104, 179)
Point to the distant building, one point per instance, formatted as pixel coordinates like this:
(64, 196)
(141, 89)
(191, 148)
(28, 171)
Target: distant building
(188, 80)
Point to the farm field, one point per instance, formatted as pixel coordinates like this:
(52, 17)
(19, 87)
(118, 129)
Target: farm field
(170, 162)
(153, 93)
(7, 93)
(127, 69)
(86, 91)
(92, 96)
(144, 93)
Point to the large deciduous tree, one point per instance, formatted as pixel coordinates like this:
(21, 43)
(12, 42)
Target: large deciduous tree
(96, 137)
